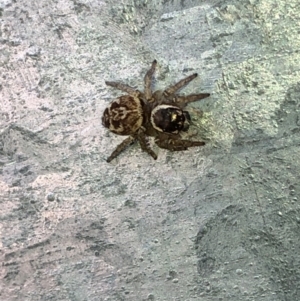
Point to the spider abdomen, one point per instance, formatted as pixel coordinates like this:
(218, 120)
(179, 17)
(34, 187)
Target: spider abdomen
(124, 116)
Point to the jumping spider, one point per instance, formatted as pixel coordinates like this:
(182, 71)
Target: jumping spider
(159, 114)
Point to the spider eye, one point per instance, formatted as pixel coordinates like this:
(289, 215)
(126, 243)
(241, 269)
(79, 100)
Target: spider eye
(173, 117)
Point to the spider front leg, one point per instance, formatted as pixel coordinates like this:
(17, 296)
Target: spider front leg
(174, 88)
(189, 98)
(120, 148)
(148, 80)
(176, 144)
(171, 90)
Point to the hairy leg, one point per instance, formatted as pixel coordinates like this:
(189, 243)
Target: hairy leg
(120, 148)
(174, 88)
(125, 88)
(144, 143)
(189, 98)
(177, 144)
(148, 80)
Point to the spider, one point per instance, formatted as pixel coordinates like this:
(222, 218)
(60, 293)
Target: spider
(159, 115)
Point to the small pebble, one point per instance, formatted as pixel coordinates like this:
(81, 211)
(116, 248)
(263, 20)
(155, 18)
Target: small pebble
(50, 197)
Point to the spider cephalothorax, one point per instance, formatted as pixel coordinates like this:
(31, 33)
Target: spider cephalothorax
(159, 114)
(169, 119)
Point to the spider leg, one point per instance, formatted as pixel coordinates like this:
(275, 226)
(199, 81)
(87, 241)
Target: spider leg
(125, 88)
(148, 80)
(120, 148)
(177, 144)
(144, 143)
(172, 89)
(189, 98)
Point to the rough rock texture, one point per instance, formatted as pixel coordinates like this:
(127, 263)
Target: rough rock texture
(221, 222)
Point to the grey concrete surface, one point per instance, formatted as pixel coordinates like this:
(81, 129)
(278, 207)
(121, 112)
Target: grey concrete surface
(221, 222)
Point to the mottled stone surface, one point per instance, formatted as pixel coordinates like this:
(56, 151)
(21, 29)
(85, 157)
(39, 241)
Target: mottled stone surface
(221, 222)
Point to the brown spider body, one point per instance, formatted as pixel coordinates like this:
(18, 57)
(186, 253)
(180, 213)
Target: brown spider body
(159, 114)
(124, 116)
